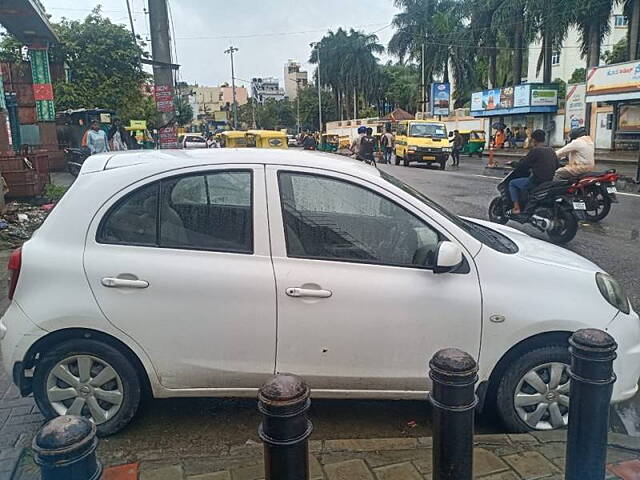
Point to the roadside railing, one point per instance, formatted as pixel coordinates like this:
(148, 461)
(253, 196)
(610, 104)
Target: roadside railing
(65, 447)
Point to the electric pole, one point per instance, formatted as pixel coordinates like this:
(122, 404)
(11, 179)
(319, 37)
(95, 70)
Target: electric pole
(316, 45)
(298, 104)
(162, 72)
(133, 31)
(234, 106)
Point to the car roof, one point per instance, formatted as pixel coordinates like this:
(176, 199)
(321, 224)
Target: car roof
(164, 160)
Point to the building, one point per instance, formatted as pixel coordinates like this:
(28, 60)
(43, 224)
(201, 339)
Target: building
(263, 89)
(567, 59)
(208, 100)
(294, 79)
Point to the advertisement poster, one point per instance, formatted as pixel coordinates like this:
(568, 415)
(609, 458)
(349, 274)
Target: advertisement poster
(621, 78)
(575, 106)
(629, 118)
(521, 95)
(506, 97)
(441, 99)
(544, 97)
(168, 137)
(476, 102)
(490, 99)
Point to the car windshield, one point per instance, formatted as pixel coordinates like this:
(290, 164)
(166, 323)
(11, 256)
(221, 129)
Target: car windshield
(427, 130)
(485, 235)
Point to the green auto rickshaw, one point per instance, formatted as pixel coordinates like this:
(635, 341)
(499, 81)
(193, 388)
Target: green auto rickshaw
(473, 142)
(329, 142)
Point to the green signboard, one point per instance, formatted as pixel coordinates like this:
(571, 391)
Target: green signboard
(42, 88)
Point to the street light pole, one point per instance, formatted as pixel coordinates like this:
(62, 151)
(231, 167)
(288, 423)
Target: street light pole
(234, 106)
(298, 104)
(316, 45)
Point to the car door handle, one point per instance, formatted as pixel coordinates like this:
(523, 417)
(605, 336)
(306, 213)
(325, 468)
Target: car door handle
(114, 282)
(308, 292)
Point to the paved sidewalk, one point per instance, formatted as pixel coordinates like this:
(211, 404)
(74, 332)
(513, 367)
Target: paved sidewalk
(496, 457)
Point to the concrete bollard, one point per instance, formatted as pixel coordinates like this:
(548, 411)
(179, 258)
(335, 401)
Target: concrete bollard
(65, 448)
(592, 354)
(454, 374)
(283, 401)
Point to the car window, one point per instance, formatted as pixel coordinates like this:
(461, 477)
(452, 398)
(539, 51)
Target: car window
(210, 211)
(207, 211)
(196, 139)
(428, 130)
(133, 220)
(331, 219)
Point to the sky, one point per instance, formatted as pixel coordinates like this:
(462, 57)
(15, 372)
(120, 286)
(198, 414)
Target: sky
(266, 32)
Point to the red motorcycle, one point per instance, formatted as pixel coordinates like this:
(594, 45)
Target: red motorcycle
(593, 193)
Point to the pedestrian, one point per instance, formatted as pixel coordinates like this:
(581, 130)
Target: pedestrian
(508, 138)
(118, 136)
(96, 139)
(500, 138)
(355, 145)
(388, 143)
(527, 138)
(457, 146)
(367, 146)
(581, 152)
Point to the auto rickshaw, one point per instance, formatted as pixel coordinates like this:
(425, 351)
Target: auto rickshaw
(329, 142)
(267, 139)
(142, 137)
(344, 141)
(233, 139)
(473, 142)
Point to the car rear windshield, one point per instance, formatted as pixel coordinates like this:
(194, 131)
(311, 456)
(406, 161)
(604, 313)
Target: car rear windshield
(485, 235)
(430, 130)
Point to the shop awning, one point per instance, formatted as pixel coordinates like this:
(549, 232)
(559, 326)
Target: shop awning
(613, 97)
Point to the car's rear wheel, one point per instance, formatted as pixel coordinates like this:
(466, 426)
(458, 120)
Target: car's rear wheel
(91, 379)
(533, 393)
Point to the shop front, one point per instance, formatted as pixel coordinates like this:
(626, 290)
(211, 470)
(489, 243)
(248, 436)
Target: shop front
(530, 105)
(618, 88)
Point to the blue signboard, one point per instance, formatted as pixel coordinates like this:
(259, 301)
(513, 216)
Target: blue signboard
(440, 99)
(518, 100)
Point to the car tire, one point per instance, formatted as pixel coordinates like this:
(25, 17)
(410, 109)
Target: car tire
(116, 399)
(550, 366)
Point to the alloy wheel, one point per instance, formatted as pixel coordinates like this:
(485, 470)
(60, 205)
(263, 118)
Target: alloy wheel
(87, 386)
(541, 398)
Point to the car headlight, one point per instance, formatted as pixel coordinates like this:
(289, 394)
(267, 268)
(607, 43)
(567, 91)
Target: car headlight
(612, 292)
(446, 149)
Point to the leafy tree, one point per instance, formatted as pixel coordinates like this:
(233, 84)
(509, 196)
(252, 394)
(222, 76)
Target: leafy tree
(617, 54)
(592, 18)
(579, 75)
(400, 86)
(562, 87)
(309, 108)
(184, 111)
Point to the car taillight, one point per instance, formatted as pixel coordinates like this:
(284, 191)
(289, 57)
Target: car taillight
(15, 262)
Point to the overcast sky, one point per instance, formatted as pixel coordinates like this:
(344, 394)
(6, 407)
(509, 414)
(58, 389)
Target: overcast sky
(267, 32)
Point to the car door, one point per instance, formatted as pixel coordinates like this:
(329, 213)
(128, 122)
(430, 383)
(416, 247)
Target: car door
(181, 264)
(359, 307)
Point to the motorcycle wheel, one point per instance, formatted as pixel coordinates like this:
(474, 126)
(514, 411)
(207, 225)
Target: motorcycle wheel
(565, 226)
(497, 211)
(603, 202)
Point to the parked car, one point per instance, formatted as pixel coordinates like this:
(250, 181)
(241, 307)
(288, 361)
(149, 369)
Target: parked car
(191, 140)
(204, 273)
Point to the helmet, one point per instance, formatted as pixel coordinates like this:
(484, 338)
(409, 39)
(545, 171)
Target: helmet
(577, 133)
(362, 129)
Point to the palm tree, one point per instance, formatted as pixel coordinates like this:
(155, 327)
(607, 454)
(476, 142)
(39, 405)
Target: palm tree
(484, 33)
(592, 17)
(632, 12)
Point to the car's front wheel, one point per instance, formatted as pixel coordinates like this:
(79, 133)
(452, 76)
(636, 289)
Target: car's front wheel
(533, 393)
(91, 379)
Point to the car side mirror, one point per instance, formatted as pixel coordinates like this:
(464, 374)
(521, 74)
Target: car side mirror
(448, 257)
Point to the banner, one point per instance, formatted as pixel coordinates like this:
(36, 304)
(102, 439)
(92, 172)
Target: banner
(544, 97)
(440, 99)
(575, 106)
(476, 101)
(42, 88)
(521, 95)
(490, 99)
(517, 100)
(610, 79)
(138, 124)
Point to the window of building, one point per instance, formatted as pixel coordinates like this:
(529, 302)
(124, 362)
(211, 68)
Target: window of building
(330, 219)
(620, 20)
(555, 58)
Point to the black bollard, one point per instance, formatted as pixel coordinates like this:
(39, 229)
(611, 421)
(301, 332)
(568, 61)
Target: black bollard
(592, 354)
(283, 401)
(65, 448)
(454, 374)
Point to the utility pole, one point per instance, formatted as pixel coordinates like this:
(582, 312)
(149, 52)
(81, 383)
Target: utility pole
(133, 30)
(162, 72)
(424, 86)
(230, 51)
(316, 45)
(298, 104)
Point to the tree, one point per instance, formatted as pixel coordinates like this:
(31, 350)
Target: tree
(617, 54)
(562, 87)
(399, 86)
(184, 111)
(579, 75)
(592, 18)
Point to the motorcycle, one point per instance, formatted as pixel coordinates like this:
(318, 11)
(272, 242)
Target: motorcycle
(597, 191)
(75, 157)
(546, 207)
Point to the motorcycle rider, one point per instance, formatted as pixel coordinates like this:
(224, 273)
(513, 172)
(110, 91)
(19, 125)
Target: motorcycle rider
(541, 162)
(581, 152)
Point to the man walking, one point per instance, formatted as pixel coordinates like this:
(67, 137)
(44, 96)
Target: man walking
(96, 139)
(457, 146)
(367, 146)
(387, 142)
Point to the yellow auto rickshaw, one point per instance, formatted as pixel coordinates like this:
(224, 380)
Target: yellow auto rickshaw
(344, 141)
(233, 139)
(329, 142)
(473, 142)
(267, 139)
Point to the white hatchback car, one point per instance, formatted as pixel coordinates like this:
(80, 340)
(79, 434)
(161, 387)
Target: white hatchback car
(191, 140)
(201, 273)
